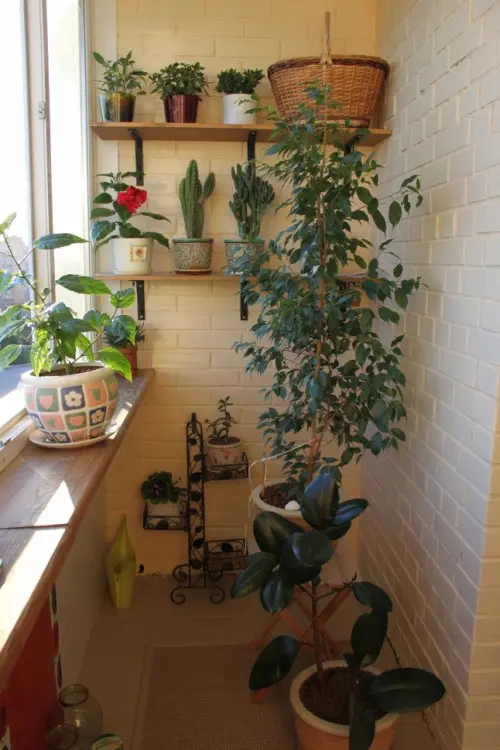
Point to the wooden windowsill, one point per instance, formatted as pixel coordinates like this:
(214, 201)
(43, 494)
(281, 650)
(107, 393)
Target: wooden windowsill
(44, 495)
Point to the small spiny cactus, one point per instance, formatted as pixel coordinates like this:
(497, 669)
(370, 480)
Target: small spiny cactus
(251, 199)
(193, 196)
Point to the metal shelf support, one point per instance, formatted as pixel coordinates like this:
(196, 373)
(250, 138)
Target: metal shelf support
(139, 155)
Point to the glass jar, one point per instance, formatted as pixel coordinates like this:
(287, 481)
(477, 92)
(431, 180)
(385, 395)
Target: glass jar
(61, 737)
(77, 708)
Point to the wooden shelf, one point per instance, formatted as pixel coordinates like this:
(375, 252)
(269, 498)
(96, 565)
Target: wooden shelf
(168, 276)
(201, 131)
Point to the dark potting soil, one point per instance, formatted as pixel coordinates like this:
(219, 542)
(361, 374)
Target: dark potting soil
(224, 441)
(333, 705)
(278, 495)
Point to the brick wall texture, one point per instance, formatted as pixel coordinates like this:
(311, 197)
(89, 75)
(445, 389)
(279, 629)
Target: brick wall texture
(431, 535)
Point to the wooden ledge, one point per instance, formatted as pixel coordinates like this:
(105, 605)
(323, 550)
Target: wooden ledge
(44, 495)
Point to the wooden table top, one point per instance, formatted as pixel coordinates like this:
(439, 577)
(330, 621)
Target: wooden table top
(44, 495)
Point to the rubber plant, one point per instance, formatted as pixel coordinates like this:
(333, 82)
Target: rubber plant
(52, 334)
(293, 557)
(334, 375)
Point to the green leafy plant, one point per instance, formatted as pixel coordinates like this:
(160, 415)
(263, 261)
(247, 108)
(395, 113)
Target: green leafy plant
(332, 369)
(220, 428)
(161, 488)
(59, 339)
(291, 557)
(120, 76)
(252, 197)
(117, 335)
(115, 205)
(180, 78)
(192, 196)
(234, 81)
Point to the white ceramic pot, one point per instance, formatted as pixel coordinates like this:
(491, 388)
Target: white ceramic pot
(235, 109)
(72, 408)
(132, 255)
(163, 510)
(314, 733)
(224, 455)
(292, 515)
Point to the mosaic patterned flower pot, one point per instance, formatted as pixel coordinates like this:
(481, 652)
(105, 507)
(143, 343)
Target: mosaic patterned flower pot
(132, 255)
(72, 408)
(237, 248)
(193, 256)
(224, 454)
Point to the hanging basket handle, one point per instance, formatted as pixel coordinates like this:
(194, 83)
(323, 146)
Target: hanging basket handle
(326, 59)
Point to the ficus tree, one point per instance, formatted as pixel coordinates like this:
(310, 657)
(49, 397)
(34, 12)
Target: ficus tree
(337, 379)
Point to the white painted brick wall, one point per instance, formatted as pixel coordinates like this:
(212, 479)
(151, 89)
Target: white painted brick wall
(433, 530)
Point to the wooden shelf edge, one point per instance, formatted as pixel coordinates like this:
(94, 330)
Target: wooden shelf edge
(167, 276)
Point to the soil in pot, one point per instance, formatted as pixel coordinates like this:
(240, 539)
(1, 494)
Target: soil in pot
(226, 441)
(278, 495)
(334, 705)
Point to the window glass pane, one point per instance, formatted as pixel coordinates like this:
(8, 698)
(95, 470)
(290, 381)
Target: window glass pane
(66, 141)
(14, 185)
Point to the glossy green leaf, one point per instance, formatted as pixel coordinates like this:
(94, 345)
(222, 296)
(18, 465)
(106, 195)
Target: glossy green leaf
(97, 213)
(101, 229)
(103, 198)
(158, 217)
(276, 594)
(75, 326)
(274, 662)
(372, 596)
(98, 320)
(312, 548)
(349, 510)
(116, 361)
(7, 223)
(123, 298)
(5, 280)
(158, 237)
(293, 570)
(9, 354)
(127, 326)
(320, 500)
(395, 213)
(271, 531)
(398, 270)
(83, 284)
(408, 689)
(337, 532)
(361, 724)
(53, 241)
(368, 636)
(258, 569)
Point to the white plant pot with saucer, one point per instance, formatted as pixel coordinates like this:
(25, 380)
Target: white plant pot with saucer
(132, 255)
(235, 108)
(224, 454)
(314, 733)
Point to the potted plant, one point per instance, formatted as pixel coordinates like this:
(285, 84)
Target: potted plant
(337, 704)
(252, 197)
(337, 378)
(117, 336)
(180, 86)
(237, 88)
(114, 207)
(223, 449)
(194, 254)
(162, 495)
(70, 395)
(120, 85)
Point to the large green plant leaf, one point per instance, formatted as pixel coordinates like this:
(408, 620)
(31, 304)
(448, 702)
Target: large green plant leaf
(337, 532)
(9, 354)
(123, 298)
(274, 662)
(158, 237)
(349, 510)
(96, 213)
(7, 223)
(101, 229)
(320, 501)
(361, 725)
(408, 689)
(312, 548)
(372, 596)
(368, 636)
(98, 320)
(83, 284)
(271, 531)
(116, 361)
(276, 594)
(127, 326)
(259, 568)
(75, 326)
(53, 241)
(292, 570)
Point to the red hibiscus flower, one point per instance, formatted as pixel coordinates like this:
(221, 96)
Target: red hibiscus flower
(132, 198)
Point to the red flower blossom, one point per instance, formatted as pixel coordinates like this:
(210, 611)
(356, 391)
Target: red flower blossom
(132, 198)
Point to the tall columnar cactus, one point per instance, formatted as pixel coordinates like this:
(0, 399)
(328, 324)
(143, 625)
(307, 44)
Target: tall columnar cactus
(193, 196)
(251, 199)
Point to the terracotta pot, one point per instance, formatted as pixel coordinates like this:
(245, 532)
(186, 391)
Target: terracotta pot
(317, 734)
(181, 108)
(117, 107)
(132, 255)
(130, 352)
(237, 248)
(193, 256)
(226, 454)
(235, 109)
(72, 408)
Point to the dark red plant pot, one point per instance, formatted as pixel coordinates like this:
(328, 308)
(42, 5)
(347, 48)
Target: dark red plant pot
(181, 108)
(130, 353)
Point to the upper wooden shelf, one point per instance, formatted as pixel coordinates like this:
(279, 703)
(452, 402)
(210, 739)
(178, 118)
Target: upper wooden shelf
(201, 131)
(168, 275)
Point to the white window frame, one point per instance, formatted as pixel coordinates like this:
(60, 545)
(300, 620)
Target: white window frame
(15, 425)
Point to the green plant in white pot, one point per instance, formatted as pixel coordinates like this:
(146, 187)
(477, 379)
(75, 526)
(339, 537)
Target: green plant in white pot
(223, 449)
(114, 207)
(162, 495)
(251, 199)
(71, 395)
(237, 88)
(194, 254)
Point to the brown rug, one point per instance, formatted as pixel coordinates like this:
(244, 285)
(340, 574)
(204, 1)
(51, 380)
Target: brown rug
(197, 698)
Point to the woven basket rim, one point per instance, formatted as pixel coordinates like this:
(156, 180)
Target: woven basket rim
(361, 60)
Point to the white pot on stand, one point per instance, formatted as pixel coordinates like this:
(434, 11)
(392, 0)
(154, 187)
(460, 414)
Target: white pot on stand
(163, 510)
(235, 109)
(132, 255)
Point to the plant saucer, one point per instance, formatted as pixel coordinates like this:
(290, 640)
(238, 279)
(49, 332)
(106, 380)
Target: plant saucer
(37, 438)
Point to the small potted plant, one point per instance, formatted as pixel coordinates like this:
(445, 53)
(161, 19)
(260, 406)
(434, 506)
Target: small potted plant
(180, 86)
(237, 88)
(223, 449)
(70, 394)
(340, 704)
(117, 336)
(194, 254)
(120, 85)
(162, 495)
(252, 197)
(114, 206)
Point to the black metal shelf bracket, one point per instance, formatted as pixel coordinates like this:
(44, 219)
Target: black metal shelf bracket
(243, 301)
(139, 155)
(252, 137)
(141, 302)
